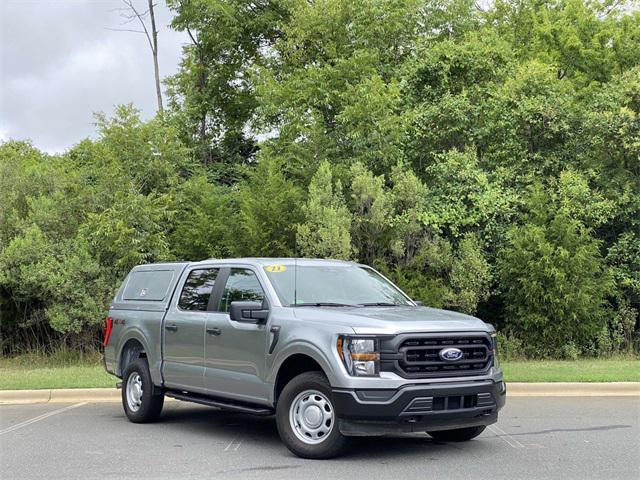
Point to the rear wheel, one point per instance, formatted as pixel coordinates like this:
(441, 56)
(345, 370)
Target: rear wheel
(457, 435)
(141, 401)
(306, 419)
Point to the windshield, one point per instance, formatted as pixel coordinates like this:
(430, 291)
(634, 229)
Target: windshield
(332, 285)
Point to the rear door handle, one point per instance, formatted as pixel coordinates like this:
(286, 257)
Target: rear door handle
(171, 328)
(214, 331)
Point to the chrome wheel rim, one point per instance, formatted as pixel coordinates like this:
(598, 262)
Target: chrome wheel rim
(134, 392)
(311, 417)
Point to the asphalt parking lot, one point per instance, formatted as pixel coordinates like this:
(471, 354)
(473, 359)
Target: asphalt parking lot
(536, 438)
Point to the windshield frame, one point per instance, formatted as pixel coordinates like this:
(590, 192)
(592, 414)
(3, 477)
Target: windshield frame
(284, 303)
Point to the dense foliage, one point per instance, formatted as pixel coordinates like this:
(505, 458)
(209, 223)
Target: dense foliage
(486, 160)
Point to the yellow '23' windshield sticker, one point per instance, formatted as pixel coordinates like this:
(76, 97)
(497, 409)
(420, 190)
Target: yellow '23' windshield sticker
(275, 268)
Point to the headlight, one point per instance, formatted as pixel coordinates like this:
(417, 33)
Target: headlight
(361, 356)
(494, 342)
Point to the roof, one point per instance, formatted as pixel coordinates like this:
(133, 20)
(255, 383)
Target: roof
(262, 261)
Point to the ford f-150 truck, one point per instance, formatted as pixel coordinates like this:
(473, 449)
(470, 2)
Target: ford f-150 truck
(332, 348)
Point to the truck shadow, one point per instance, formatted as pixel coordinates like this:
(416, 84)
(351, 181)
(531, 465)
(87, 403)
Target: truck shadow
(263, 433)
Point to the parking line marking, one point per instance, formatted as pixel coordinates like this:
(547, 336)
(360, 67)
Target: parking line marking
(514, 440)
(231, 443)
(40, 417)
(501, 437)
(508, 439)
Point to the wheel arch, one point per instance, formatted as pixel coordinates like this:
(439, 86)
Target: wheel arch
(295, 364)
(133, 347)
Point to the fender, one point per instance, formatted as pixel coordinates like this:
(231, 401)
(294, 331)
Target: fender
(305, 348)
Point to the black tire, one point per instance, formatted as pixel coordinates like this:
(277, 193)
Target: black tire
(457, 435)
(330, 446)
(152, 399)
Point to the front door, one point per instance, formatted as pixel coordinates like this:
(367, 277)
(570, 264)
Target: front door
(184, 330)
(235, 351)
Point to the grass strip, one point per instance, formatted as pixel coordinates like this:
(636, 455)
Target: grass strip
(16, 374)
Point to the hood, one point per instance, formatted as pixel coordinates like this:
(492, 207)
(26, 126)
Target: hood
(392, 320)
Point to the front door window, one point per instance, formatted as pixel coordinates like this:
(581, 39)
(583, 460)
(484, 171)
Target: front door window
(242, 284)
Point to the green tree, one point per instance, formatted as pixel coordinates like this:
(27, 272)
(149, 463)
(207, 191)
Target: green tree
(553, 278)
(147, 153)
(325, 231)
(586, 41)
(461, 196)
(203, 225)
(328, 89)
(371, 204)
(211, 99)
(270, 209)
(444, 276)
(73, 225)
(470, 276)
(624, 260)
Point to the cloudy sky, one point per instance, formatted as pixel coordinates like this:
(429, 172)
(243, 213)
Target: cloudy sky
(59, 63)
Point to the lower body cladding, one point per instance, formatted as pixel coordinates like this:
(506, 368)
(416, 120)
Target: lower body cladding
(419, 408)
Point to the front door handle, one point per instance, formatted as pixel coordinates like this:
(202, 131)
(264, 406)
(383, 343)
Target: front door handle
(171, 328)
(214, 331)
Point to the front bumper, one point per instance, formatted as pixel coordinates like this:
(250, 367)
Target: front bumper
(419, 408)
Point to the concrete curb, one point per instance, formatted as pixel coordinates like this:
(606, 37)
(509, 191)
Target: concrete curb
(574, 389)
(63, 395)
(560, 389)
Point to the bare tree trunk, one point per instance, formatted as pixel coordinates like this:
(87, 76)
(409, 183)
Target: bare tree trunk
(130, 14)
(202, 85)
(154, 50)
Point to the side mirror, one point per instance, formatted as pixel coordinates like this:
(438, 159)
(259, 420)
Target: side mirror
(418, 303)
(248, 312)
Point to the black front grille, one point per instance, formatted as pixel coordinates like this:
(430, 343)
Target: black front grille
(454, 402)
(419, 356)
(425, 405)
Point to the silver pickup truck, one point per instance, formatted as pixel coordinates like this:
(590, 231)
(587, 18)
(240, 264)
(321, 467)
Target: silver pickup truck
(332, 348)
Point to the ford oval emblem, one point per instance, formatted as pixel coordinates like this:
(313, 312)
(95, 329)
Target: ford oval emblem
(451, 354)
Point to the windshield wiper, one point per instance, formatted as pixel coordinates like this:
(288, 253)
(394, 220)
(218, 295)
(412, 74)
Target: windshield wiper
(378, 304)
(322, 304)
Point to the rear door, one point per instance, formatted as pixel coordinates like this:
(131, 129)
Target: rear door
(235, 351)
(184, 329)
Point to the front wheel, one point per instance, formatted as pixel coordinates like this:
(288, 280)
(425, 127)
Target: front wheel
(141, 403)
(306, 419)
(457, 435)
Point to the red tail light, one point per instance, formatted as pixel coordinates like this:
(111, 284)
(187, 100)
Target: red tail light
(108, 326)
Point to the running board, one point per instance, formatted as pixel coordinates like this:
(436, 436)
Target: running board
(223, 404)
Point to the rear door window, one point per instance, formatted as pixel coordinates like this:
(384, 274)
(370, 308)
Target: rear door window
(242, 284)
(197, 289)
